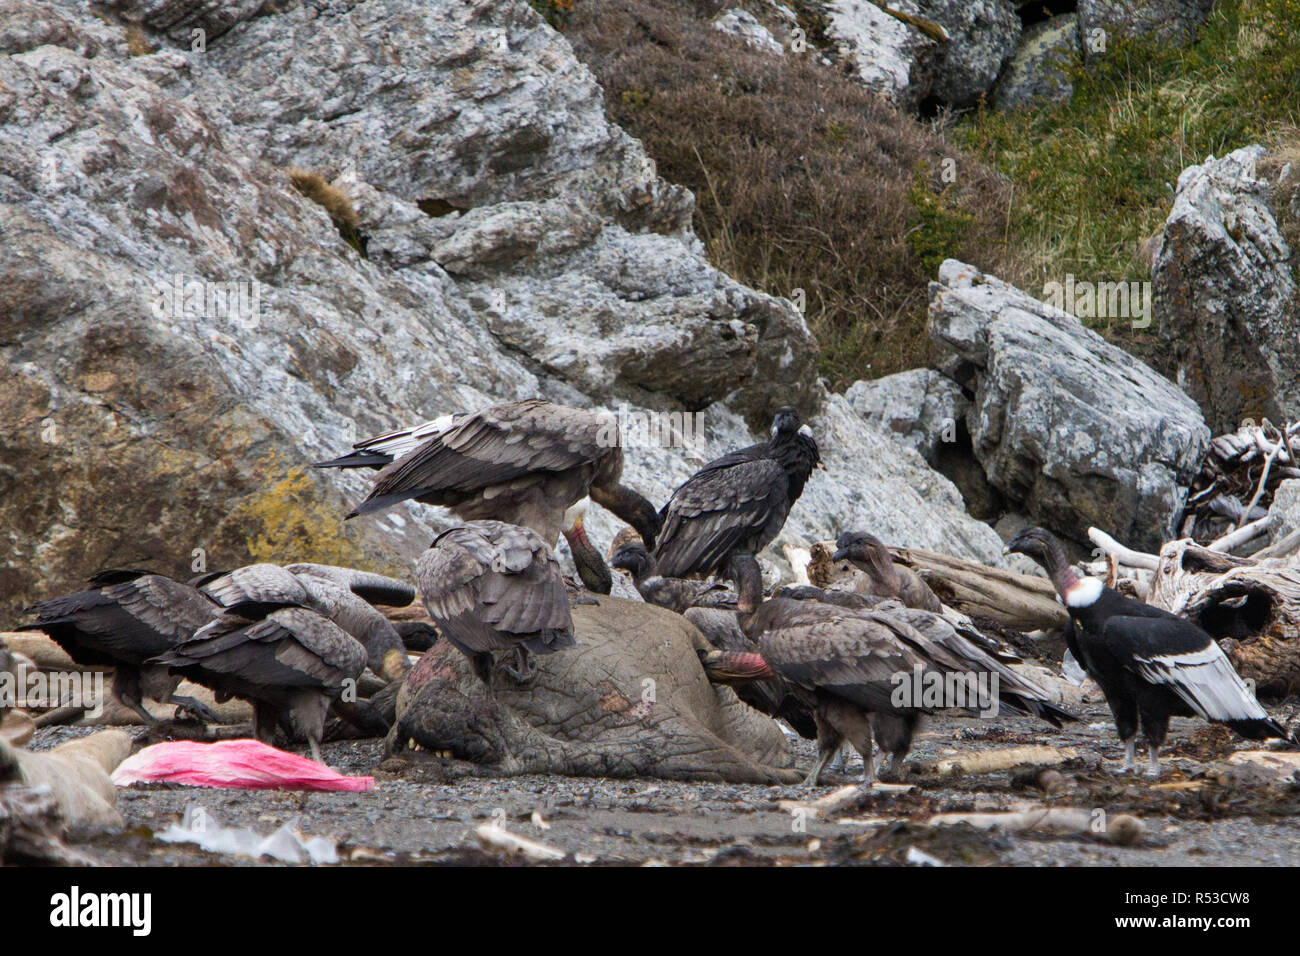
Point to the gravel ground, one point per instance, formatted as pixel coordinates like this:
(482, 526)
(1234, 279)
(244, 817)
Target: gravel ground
(424, 810)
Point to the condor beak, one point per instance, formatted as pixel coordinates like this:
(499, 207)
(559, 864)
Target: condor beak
(395, 665)
(840, 555)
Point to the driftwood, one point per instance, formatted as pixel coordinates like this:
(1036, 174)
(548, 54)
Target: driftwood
(1250, 604)
(1021, 602)
(1121, 829)
(1236, 482)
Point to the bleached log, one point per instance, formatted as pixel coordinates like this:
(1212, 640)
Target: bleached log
(1021, 601)
(837, 800)
(991, 761)
(1244, 534)
(1122, 828)
(1125, 555)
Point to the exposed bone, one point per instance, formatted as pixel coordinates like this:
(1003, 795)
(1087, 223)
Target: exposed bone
(837, 800)
(493, 837)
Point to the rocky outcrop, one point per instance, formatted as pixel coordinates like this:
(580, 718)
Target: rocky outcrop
(1224, 295)
(941, 50)
(743, 24)
(1067, 426)
(1101, 21)
(178, 320)
(630, 701)
(1036, 72)
(920, 407)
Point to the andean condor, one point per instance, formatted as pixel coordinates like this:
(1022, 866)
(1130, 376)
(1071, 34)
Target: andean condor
(736, 505)
(1149, 663)
(492, 586)
(521, 462)
(884, 578)
(124, 620)
(333, 592)
(291, 663)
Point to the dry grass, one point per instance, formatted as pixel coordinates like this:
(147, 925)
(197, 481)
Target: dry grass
(333, 200)
(803, 179)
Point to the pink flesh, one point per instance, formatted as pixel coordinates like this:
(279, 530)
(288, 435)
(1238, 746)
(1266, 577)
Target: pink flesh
(243, 764)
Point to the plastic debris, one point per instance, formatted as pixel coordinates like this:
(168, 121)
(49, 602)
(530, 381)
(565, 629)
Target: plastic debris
(285, 845)
(241, 764)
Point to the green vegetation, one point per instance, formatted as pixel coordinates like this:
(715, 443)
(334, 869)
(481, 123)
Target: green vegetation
(1094, 176)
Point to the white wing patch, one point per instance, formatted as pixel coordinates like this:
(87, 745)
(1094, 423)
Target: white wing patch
(405, 440)
(1206, 681)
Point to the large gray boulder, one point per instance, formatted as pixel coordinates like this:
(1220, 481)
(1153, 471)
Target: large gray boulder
(1073, 429)
(1224, 295)
(1036, 72)
(945, 50)
(920, 407)
(1102, 21)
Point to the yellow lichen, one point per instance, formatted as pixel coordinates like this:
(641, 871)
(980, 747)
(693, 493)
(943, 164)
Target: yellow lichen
(289, 521)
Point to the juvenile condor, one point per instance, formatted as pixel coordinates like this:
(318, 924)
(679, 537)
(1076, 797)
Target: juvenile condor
(884, 578)
(1150, 664)
(676, 594)
(736, 505)
(291, 664)
(520, 462)
(124, 620)
(492, 586)
(848, 664)
(329, 591)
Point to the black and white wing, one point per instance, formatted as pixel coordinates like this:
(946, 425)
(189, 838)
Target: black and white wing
(493, 446)
(291, 648)
(385, 449)
(1177, 654)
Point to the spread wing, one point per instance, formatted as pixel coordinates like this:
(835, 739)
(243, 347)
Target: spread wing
(718, 510)
(493, 446)
(125, 623)
(491, 586)
(384, 449)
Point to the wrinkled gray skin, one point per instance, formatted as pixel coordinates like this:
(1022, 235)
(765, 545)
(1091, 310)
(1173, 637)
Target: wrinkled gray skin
(631, 700)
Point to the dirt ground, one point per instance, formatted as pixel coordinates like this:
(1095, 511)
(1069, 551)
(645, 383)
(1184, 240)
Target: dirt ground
(425, 809)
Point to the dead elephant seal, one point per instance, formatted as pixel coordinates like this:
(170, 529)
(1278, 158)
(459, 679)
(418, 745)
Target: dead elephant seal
(631, 700)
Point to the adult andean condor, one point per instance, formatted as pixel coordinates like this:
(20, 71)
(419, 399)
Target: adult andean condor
(736, 505)
(1149, 663)
(125, 619)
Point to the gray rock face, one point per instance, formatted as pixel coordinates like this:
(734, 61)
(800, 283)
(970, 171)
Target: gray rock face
(919, 407)
(949, 50)
(982, 35)
(1173, 20)
(745, 25)
(1036, 72)
(178, 322)
(1074, 428)
(1224, 295)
